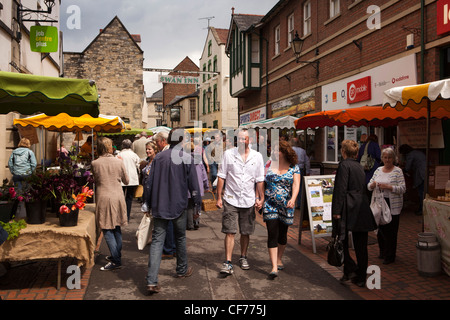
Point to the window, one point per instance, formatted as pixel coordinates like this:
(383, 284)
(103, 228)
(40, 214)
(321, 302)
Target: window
(277, 40)
(306, 18)
(334, 8)
(215, 64)
(209, 69)
(209, 48)
(255, 49)
(209, 102)
(215, 97)
(204, 75)
(192, 109)
(290, 28)
(204, 101)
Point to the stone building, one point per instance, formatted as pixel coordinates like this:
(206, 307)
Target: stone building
(114, 59)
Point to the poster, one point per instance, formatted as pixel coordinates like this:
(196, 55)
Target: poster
(319, 195)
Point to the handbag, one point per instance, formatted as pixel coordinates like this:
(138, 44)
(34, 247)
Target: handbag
(380, 209)
(367, 162)
(335, 250)
(144, 232)
(139, 191)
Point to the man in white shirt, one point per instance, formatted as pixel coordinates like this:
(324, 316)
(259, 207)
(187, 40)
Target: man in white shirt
(241, 168)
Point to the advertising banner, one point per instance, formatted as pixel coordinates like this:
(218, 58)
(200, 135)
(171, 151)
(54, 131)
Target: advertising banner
(44, 39)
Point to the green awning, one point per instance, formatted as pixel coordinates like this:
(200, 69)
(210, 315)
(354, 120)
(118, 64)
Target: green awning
(29, 94)
(127, 132)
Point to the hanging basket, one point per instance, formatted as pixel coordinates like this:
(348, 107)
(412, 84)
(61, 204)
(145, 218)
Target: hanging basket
(69, 219)
(36, 211)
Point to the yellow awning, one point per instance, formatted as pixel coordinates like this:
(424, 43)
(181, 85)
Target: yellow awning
(65, 123)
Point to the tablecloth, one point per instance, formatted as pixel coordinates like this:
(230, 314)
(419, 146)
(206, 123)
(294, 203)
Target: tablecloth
(51, 241)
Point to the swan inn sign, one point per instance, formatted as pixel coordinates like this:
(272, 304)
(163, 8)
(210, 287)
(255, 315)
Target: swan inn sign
(179, 80)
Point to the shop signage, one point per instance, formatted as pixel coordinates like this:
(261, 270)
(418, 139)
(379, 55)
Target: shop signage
(299, 103)
(443, 16)
(359, 90)
(414, 133)
(341, 94)
(44, 39)
(179, 80)
(255, 115)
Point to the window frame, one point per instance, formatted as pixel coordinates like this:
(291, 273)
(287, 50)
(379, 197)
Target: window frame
(290, 29)
(277, 36)
(335, 8)
(307, 19)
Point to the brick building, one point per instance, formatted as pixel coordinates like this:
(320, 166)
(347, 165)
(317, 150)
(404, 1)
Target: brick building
(114, 59)
(381, 44)
(173, 91)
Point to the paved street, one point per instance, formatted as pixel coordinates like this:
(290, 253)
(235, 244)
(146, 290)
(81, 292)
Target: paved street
(301, 279)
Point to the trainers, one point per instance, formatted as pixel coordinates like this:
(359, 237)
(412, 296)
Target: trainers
(110, 266)
(227, 268)
(244, 263)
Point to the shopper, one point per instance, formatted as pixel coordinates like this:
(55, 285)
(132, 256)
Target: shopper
(415, 163)
(22, 163)
(110, 210)
(351, 212)
(131, 161)
(282, 185)
(391, 182)
(372, 150)
(303, 164)
(139, 145)
(240, 170)
(168, 185)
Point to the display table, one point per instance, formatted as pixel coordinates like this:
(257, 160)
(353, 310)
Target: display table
(436, 215)
(51, 241)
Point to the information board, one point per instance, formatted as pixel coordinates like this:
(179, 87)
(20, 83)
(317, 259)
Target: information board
(319, 194)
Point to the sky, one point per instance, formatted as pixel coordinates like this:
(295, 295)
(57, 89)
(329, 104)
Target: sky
(170, 29)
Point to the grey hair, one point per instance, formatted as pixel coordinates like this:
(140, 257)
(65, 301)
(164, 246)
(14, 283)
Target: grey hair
(389, 152)
(161, 136)
(126, 144)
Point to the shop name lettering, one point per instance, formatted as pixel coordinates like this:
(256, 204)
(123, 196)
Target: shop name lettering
(42, 39)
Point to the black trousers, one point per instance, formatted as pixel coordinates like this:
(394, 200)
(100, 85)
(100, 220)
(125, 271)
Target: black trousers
(387, 239)
(361, 253)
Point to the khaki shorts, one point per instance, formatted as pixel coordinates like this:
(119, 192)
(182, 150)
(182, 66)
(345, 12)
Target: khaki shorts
(233, 216)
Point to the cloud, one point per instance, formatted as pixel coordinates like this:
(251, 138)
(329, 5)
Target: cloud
(170, 29)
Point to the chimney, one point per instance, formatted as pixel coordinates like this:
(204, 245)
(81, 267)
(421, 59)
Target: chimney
(232, 11)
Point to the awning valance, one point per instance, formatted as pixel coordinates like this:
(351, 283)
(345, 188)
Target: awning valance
(29, 94)
(279, 123)
(374, 116)
(65, 123)
(416, 97)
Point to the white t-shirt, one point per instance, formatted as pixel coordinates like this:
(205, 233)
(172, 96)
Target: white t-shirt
(384, 177)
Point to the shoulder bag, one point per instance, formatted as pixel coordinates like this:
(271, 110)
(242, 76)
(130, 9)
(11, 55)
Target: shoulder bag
(380, 208)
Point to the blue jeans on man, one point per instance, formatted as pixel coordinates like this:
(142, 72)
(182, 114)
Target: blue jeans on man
(156, 248)
(169, 242)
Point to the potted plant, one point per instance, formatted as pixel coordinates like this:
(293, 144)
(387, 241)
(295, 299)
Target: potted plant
(8, 195)
(36, 193)
(71, 204)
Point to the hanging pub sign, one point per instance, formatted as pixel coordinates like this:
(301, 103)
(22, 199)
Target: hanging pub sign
(44, 39)
(179, 80)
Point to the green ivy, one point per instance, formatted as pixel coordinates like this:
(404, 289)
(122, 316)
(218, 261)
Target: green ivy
(13, 228)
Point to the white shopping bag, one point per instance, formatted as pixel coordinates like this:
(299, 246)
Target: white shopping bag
(144, 232)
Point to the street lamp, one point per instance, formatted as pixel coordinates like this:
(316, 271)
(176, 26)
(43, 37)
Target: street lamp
(297, 46)
(21, 12)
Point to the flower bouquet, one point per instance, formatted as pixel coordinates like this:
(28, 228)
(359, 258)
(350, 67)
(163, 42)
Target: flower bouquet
(8, 195)
(70, 205)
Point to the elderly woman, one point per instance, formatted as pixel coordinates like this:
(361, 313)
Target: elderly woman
(351, 212)
(391, 182)
(131, 161)
(110, 210)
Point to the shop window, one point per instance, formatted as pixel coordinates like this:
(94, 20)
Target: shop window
(445, 61)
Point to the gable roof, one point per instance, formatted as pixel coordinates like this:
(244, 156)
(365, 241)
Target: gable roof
(132, 37)
(243, 22)
(221, 35)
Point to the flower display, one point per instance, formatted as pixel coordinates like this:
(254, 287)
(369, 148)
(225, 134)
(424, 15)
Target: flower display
(8, 193)
(77, 201)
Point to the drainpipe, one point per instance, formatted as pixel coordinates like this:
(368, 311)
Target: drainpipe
(422, 41)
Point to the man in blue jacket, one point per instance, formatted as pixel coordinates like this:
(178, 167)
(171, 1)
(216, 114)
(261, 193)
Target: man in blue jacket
(173, 174)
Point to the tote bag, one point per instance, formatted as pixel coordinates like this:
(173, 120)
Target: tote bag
(380, 208)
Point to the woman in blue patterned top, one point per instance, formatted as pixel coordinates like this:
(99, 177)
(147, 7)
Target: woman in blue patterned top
(282, 185)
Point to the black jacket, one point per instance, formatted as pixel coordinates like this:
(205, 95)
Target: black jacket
(350, 200)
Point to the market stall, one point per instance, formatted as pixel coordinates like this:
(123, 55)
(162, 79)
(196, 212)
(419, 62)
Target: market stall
(433, 98)
(51, 241)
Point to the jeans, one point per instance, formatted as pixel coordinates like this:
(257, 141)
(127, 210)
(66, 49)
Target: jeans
(169, 242)
(128, 192)
(156, 247)
(213, 168)
(113, 238)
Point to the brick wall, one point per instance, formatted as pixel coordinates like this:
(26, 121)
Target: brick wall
(115, 62)
(170, 91)
(330, 40)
